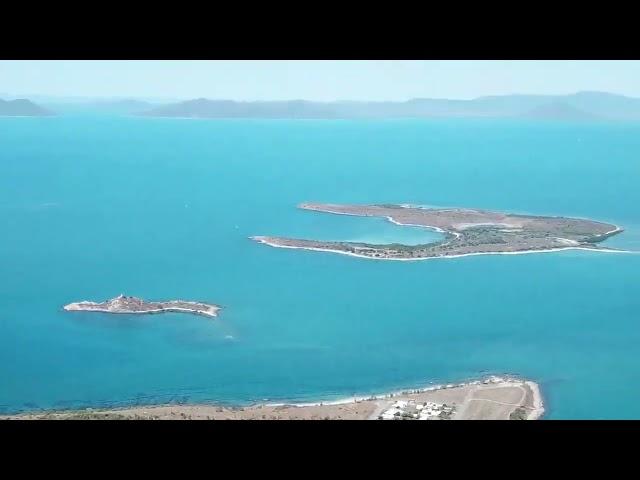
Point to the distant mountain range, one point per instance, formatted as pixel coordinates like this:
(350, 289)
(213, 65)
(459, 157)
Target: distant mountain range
(560, 111)
(22, 108)
(578, 106)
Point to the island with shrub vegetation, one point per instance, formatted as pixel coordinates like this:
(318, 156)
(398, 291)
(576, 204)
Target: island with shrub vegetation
(465, 232)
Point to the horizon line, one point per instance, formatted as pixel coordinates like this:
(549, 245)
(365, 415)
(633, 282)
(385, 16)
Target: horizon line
(80, 98)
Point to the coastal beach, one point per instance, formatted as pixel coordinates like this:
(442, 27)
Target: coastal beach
(264, 240)
(493, 398)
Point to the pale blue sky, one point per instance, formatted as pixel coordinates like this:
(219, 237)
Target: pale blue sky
(315, 80)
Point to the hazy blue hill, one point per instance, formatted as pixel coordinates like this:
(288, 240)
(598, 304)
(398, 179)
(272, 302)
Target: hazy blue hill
(509, 105)
(23, 108)
(436, 107)
(583, 105)
(580, 105)
(560, 110)
(203, 108)
(606, 104)
(100, 106)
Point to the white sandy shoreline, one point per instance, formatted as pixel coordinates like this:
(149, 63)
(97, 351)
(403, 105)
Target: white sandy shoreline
(535, 414)
(522, 252)
(73, 308)
(538, 404)
(304, 206)
(405, 391)
(535, 407)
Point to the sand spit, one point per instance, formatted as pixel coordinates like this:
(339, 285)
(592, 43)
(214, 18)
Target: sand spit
(262, 239)
(467, 232)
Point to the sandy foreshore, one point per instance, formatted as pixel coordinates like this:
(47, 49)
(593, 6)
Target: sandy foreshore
(214, 313)
(428, 227)
(615, 230)
(262, 239)
(493, 398)
(538, 405)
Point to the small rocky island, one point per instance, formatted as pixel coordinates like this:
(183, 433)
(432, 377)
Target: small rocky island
(466, 232)
(123, 304)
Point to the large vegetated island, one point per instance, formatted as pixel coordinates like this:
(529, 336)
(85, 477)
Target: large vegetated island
(466, 232)
(134, 305)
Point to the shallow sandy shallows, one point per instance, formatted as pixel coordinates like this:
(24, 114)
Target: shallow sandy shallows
(493, 399)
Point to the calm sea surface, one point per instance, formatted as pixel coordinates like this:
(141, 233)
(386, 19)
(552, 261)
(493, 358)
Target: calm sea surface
(92, 206)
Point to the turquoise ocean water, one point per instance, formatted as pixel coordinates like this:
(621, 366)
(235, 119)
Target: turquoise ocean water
(92, 206)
